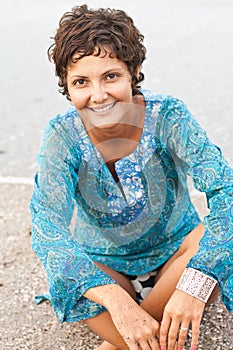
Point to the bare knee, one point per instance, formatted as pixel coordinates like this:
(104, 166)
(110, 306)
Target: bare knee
(187, 250)
(190, 244)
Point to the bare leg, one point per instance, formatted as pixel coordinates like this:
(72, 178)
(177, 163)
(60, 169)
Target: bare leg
(102, 324)
(169, 275)
(166, 281)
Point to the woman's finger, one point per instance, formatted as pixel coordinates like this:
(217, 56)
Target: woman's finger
(144, 345)
(164, 328)
(132, 343)
(195, 333)
(154, 345)
(173, 334)
(183, 331)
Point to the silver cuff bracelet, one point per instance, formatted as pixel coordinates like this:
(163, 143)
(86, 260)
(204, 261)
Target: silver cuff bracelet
(197, 284)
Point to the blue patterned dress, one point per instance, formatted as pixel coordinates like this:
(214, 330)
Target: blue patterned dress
(138, 227)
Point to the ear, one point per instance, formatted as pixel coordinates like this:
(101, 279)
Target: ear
(137, 72)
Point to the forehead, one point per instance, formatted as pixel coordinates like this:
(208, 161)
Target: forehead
(99, 61)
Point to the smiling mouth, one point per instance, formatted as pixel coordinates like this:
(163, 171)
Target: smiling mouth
(103, 109)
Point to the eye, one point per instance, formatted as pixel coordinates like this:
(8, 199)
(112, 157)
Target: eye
(80, 82)
(111, 76)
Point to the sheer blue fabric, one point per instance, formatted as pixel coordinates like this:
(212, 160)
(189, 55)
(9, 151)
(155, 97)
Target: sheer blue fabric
(134, 228)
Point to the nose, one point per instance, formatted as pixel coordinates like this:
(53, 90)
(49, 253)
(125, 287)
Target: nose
(98, 94)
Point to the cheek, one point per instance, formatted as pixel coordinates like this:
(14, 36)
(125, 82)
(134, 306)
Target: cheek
(78, 99)
(128, 93)
(125, 89)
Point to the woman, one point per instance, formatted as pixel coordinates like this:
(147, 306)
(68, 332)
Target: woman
(122, 156)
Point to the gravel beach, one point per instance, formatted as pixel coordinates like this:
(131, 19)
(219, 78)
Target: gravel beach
(25, 325)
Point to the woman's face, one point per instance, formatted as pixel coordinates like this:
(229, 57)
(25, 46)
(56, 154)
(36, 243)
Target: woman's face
(100, 89)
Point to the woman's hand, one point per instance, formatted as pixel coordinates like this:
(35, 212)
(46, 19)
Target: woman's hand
(136, 326)
(181, 311)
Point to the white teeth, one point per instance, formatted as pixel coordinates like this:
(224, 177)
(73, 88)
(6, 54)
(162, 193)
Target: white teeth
(101, 110)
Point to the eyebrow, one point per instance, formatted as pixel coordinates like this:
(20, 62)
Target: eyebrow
(106, 72)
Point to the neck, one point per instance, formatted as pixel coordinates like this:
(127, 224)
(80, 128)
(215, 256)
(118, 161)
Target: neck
(113, 131)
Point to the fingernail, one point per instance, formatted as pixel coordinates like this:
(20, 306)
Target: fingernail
(162, 347)
(194, 347)
(179, 349)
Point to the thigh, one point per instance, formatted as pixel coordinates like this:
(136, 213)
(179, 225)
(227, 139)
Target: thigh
(188, 248)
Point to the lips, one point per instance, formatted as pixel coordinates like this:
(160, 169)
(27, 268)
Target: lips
(103, 109)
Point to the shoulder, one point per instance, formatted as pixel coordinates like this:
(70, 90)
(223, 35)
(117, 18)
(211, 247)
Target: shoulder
(166, 112)
(153, 98)
(63, 120)
(64, 126)
(164, 104)
(61, 135)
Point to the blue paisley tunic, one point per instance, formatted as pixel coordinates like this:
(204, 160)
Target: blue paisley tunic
(136, 227)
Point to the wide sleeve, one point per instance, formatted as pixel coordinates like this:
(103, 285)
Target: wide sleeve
(69, 270)
(211, 173)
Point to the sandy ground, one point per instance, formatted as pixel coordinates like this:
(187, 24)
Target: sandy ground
(25, 325)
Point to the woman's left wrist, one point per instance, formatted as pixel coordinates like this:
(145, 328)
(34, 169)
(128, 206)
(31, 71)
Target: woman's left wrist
(196, 284)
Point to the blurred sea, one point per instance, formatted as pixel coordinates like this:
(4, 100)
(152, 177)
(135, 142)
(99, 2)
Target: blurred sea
(190, 55)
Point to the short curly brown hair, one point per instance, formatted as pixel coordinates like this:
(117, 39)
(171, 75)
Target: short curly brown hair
(110, 31)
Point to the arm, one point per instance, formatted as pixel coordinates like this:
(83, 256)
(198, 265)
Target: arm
(203, 161)
(134, 324)
(211, 173)
(70, 272)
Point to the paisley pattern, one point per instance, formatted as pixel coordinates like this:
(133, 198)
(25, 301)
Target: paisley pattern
(135, 227)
